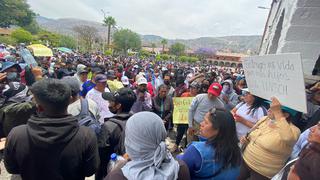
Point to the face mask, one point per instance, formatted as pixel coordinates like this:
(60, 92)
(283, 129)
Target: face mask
(13, 76)
(166, 82)
(226, 89)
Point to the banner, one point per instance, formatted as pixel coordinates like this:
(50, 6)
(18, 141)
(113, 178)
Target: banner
(181, 109)
(278, 75)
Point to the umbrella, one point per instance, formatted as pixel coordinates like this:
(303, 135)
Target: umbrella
(64, 49)
(40, 50)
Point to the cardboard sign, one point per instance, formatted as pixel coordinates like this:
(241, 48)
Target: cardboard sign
(181, 109)
(279, 76)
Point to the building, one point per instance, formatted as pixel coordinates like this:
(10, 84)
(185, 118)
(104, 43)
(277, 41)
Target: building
(5, 32)
(293, 26)
(226, 59)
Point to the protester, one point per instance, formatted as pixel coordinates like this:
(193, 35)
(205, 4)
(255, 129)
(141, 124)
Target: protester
(149, 158)
(120, 103)
(113, 83)
(74, 107)
(182, 128)
(200, 105)
(82, 74)
(162, 105)
(43, 148)
(269, 144)
(16, 107)
(90, 84)
(95, 94)
(144, 100)
(12, 71)
(125, 82)
(247, 113)
(219, 157)
(228, 95)
(167, 82)
(306, 167)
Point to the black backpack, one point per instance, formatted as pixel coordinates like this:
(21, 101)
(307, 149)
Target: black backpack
(118, 144)
(86, 118)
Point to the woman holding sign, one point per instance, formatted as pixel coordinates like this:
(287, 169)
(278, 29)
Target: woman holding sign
(269, 143)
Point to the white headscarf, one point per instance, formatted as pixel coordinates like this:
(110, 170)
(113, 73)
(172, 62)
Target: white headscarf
(145, 145)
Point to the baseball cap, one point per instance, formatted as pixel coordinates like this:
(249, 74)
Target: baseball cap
(125, 80)
(81, 69)
(8, 64)
(111, 73)
(121, 96)
(215, 89)
(100, 78)
(142, 80)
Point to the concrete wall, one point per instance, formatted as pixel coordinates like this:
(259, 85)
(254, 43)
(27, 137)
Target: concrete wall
(294, 26)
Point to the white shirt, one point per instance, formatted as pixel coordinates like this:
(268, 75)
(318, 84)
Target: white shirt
(96, 96)
(242, 110)
(75, 108)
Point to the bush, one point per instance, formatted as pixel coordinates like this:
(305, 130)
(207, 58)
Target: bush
(22, 36)
(8, 40)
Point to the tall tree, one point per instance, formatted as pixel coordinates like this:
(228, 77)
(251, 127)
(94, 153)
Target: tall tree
(164, 42)
(15, 12)
(125, 39)
(177, 49)
(109, 22)
(87, 34)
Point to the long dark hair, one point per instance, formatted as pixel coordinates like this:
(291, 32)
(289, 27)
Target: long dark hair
(227, 151)
(257, 102)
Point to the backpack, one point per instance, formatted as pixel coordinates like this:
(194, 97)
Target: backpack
(118, 147)
(86, 118)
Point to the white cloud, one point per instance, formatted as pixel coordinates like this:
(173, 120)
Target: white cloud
(167, 18)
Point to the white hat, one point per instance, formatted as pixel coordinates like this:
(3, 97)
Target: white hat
(125, 80)
(142, 80)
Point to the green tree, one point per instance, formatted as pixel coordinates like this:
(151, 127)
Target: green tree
(164, 42)
(125, 39)
(177, 49)
(22, 36)
(67, 41)
(109, 22)
(15, 12)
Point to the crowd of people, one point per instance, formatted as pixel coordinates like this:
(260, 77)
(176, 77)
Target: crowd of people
(63, 118)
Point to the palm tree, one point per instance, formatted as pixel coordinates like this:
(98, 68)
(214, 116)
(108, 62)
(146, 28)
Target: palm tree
(164, 42)
(109, 22)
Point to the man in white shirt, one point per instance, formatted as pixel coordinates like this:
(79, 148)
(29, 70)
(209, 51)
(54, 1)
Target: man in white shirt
(95, 94)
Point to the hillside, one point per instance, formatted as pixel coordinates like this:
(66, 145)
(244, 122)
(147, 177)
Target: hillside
(232, 43)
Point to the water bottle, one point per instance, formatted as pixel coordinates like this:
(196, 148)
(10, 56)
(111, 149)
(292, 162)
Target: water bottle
(114, 159)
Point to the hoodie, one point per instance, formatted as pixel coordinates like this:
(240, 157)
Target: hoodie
(231, 94)
(51, 148)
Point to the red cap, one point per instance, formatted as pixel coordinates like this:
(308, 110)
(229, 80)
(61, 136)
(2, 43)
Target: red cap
(215, 89)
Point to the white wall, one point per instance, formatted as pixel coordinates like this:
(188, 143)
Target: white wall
(300, 30)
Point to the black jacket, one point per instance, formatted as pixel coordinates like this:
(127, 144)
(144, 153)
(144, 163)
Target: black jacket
(51, 148)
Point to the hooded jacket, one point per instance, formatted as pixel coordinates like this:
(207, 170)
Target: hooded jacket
(51, 148)
(231, 95)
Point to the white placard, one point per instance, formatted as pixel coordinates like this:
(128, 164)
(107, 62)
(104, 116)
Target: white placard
(278, 75)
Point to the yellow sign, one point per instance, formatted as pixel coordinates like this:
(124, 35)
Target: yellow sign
(181, 109)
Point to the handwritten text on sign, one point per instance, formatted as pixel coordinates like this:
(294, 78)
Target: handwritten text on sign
(277, 75)
(181, 109)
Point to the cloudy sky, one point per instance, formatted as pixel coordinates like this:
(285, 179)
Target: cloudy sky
(166, 18)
